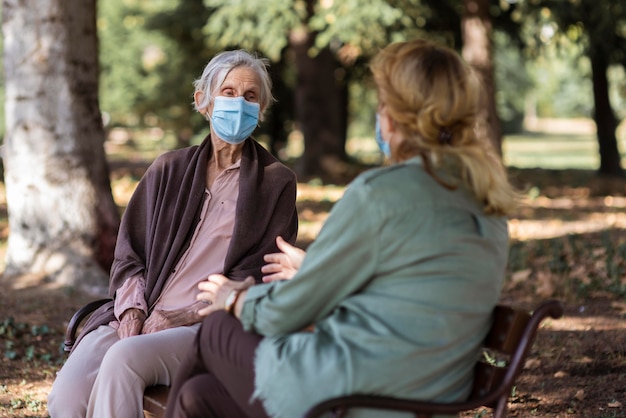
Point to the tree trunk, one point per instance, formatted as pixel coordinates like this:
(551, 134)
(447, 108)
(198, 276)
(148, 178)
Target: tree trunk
(606, 123)
(321, 106)
(477, 31)
(62, 218)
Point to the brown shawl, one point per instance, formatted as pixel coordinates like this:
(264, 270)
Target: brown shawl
(164, 210)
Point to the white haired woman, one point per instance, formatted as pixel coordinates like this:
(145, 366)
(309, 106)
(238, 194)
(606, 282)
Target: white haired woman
(213, 208)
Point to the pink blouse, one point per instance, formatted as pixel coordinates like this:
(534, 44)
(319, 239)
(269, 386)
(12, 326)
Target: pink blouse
(204, 256)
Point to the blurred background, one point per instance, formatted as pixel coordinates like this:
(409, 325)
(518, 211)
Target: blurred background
(548, 65)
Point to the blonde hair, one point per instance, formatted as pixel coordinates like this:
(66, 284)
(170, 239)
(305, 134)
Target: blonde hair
(432, 97)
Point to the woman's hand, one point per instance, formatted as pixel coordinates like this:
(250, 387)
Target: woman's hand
(283, 265)
(216, 289)
(161, 319)
(157, 321)
(131, 323)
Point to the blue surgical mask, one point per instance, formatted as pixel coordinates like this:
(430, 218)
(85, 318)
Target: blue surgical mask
(382, 144)
(234, 118)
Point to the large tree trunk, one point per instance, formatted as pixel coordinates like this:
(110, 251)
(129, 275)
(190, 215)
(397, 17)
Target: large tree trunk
(477, 30)
(62, 217)
(606, 123)
(321, 106)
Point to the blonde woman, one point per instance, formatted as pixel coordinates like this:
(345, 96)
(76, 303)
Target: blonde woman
(394, 297)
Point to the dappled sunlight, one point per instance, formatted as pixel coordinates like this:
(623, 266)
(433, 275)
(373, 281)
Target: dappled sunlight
(524, 230)
(542, 217)
(312, 192)
(30, 399)
(598, 323)
(314, 203)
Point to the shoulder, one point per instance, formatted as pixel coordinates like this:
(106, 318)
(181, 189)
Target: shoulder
(408, 185)
(171, 165)
(396, 176)
(177, 156)
(171, 161)
(270, 164)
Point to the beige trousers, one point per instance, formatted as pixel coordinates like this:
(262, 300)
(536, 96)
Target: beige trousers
(105, 377)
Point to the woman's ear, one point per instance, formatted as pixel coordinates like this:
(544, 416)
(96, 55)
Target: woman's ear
(198, 96)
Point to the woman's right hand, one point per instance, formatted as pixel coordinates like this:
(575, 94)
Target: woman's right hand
(283, 265)
(131, 323)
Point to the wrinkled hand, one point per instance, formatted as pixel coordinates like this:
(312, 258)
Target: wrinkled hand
(161, 319)
(283, 265)
(157, 321)
(216, 289)
(131, 323)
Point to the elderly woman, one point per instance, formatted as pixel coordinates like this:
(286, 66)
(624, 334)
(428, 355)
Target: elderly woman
(395, 295)
(213, 208)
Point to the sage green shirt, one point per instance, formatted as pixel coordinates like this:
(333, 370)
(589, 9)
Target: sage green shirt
(400, 284)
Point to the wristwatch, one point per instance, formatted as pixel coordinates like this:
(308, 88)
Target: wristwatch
(231, 301)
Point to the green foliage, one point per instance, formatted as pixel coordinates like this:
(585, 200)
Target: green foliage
(365, 28)
(21, 339)
(148, 82)
(28, 402)
(587, 27)
(562, 82)
(359, 27)
(146, 71)
(492, 360)
(257, 26)
(513, 81)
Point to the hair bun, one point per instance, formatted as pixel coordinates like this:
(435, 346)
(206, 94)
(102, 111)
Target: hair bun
(445, 136)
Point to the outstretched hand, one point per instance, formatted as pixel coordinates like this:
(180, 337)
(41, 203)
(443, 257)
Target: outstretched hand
(283, 265)
(216, 289)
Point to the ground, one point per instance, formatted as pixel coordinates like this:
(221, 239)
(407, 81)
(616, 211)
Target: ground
(568, 243)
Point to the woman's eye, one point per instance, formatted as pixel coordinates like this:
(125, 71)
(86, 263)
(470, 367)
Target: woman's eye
(228, 92)
(251, 97)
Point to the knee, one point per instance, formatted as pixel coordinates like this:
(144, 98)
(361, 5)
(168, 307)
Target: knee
(216, 320)
(132, 362)
(216, 330)
(120, 356)
(189, 401)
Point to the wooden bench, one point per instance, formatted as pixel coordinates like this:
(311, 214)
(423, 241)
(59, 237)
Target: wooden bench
(155, 401)
(508, 343)
(505, 350)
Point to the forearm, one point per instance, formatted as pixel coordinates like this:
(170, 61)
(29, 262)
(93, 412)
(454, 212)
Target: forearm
(131, 296)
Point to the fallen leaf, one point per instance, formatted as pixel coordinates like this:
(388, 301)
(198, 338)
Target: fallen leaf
(580, 395)
(560, 374)
(545, 287)
(521, 275)
(599, 251)
(532, 363)
(614, 404)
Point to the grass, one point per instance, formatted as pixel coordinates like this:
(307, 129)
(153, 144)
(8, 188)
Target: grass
(551, 151)
(558, 144)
